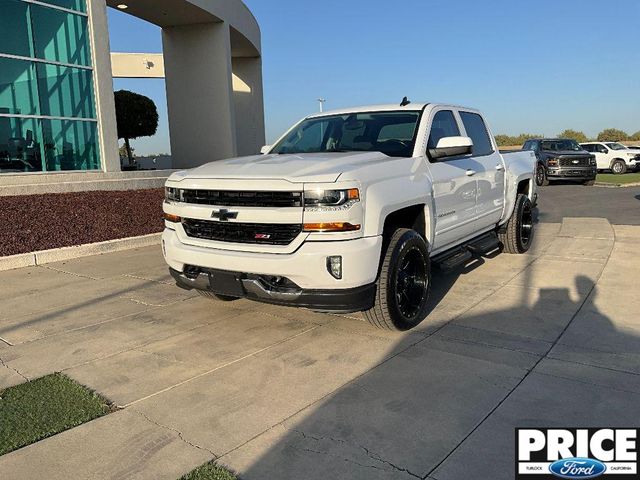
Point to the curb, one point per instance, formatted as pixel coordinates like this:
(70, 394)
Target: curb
(66, 253)
(616, 185)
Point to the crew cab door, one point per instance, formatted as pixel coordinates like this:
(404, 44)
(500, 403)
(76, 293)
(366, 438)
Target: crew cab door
(454, 184)
(490, 173)
(603, 156)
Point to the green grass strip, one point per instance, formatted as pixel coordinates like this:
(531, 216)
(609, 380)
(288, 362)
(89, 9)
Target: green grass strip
(43, 407)
(209, 471)
(618, 179)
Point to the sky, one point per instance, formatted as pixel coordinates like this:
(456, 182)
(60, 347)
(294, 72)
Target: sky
(536, 66)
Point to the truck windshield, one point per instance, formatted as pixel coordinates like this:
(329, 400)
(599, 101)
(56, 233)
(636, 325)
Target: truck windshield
(392, 133)
(616, 146)
(560, 145)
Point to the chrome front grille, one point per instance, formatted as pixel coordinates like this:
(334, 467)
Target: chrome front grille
(574, 161)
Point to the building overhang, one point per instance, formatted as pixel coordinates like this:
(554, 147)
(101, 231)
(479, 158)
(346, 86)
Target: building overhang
(245, 32)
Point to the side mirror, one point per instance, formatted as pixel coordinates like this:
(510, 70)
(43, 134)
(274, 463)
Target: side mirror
(265, 149)
(451, 147)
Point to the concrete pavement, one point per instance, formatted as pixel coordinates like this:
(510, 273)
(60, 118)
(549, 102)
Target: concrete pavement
(543, 339)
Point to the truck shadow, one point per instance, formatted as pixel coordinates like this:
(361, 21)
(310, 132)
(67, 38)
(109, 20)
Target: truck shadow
(451, 401)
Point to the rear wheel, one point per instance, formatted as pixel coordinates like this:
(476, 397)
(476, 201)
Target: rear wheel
(403, 286)
(216, 296)
(619, 167)
(541, 176)
(517, 234)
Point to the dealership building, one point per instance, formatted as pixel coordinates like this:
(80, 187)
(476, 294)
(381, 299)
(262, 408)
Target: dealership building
(57, 113)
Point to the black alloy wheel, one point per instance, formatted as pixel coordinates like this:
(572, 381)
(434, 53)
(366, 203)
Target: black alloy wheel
(404, 282)
(411, 283)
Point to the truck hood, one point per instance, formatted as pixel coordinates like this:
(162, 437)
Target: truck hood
(302, 167)
(567, 153)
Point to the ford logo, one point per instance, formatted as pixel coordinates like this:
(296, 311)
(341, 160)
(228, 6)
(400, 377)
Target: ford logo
(577, 468)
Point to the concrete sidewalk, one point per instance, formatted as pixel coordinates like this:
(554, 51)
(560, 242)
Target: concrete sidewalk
(543, 339)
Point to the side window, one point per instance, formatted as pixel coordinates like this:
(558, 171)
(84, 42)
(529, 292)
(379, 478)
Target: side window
(476, 129)
(443, 125)
(527, 145)
(588, 148)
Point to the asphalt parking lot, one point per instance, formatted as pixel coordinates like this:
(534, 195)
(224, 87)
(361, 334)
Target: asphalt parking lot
(621, 206)
(546, 339)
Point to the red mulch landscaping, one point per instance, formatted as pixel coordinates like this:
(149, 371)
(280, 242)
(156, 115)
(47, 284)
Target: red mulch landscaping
(39, 222)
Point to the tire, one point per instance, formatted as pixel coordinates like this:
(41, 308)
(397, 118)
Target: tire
(401, 299)
(517, 233)
(618, 167)
(216, 296)
(589, 183)
(541, 176)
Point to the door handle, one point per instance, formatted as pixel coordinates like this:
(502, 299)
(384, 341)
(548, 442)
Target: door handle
(499, 167)
(471, 173)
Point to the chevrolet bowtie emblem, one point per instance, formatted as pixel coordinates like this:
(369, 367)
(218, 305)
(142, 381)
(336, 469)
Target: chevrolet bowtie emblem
(224, 215)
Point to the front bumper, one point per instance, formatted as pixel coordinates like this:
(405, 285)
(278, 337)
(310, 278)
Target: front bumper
(576, 173)
(260, 288)
(306, 266)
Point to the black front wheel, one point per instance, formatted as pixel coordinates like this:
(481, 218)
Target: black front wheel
(403, 286)
(541, 176)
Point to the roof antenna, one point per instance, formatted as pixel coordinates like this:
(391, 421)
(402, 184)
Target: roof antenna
(405, 101)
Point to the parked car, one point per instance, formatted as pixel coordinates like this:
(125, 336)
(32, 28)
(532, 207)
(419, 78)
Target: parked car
(349, 210)
(614, 156)
(561, 158)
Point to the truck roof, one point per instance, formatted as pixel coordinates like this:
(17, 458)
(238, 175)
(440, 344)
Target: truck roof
(547, 139)
(412, 107)
(390, 107)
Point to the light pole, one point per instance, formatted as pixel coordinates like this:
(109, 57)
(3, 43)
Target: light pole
(321, 102)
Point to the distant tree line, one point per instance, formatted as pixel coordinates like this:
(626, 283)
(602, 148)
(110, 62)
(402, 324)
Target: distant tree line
(606, 135)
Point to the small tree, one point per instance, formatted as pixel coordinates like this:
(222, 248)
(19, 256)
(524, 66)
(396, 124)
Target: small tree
(504, 140)
(136, 116)
(635, 137)
(612, 135)
(579, 137)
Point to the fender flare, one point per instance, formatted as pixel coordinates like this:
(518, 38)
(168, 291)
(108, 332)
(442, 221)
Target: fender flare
(512, 195)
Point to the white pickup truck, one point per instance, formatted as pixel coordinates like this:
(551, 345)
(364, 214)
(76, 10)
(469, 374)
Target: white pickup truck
(348, 210)
(613, 156)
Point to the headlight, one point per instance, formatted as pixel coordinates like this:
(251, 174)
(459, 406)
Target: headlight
(552, 162)
(592, 161)
(632, 155)
(172, 194)
(330, 199)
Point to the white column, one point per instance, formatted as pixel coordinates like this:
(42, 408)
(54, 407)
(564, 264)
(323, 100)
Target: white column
(103, 85)
(248, 101)
(197, 60)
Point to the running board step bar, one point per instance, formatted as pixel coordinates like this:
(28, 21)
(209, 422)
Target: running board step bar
(458, 256)
(453, 259)
(485, 244)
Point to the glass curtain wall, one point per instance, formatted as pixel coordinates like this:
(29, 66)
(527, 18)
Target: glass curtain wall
(47, 108)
